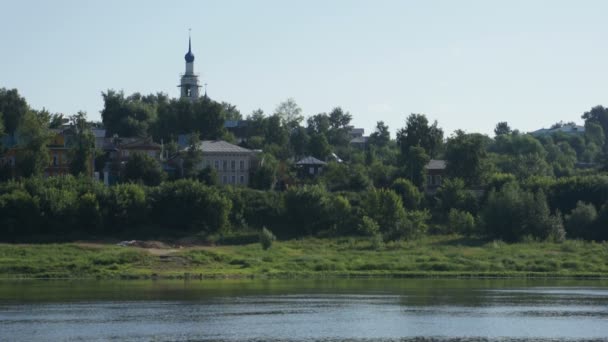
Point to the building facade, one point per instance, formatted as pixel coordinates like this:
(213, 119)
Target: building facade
(232, 163)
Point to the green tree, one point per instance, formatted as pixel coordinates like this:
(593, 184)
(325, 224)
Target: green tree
(33, 158)
(81, 153)
(265, 176)
(14, 109)
(410, 195)
(381, 137)
(208, 176)
(597, 115)
(418, 132)
(192, 157)
(319, 147)
(415, 161)
(266, 238)
(386, 208)
(230, 112)
(502, 128)
(580, 222)
(465, 155)
(512, 213)
(143, 168)
(290, 113)
(461, 222)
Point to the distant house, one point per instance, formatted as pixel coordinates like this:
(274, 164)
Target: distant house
(142, 145)
(357, 138)
(232, 163)
(567, 129)
(58, 146)
(435, 171)
(118, 150)
(310, 166)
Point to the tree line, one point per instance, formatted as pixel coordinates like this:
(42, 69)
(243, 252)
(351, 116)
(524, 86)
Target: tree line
(510, 186)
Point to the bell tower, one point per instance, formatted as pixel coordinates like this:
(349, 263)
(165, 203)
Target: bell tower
(189, 82)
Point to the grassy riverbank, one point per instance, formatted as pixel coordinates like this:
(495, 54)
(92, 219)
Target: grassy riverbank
(448, 256)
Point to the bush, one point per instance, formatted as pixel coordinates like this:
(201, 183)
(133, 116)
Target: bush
(307, 208)
(190, 206)
(143, 168)
(410, 195)
(579, 223)
(512, 213)
(368, 226)
(384, 207)
(461, 222)
(266, 238)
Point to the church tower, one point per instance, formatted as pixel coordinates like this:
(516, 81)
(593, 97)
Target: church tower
(189, 83)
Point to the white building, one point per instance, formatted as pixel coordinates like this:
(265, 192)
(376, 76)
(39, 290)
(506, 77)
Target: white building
(231, 162)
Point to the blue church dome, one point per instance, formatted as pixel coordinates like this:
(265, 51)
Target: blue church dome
(189, 57)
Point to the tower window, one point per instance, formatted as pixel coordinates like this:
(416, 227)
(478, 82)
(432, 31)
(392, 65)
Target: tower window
(189, 92)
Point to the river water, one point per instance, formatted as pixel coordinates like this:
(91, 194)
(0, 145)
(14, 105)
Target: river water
(305, 310)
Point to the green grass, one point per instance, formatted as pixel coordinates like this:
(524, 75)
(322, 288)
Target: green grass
(434, 256)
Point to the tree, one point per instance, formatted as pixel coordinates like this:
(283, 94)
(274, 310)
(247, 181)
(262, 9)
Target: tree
(597, 115)
(266, 238)
(265, 176)
(208, 176)
(13, 108)
(384, 207)
(299, 141)
(381, 136)
(410, 195)
(319, 147)
(128, 116)
(142, 168)
(595, 133)
(33, 158)
(339, 129)
(461, 222)
(512, 213)
(417, 132)
(415, 161)
(230, 112)
(580, 221)
(289, 112)
(502, 128)
(81, 153)
(465, 155)
(192, 158)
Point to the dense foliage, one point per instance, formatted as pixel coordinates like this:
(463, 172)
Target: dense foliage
(513, 186)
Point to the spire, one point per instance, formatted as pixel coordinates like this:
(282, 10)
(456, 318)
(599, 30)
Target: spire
(189, 57)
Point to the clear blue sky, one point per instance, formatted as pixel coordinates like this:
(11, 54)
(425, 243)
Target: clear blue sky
(467, 64)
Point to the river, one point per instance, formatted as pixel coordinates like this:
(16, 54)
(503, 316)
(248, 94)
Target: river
(305, 310)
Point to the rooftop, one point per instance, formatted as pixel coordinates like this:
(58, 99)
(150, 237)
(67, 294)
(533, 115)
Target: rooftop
(310, 160)
(436, 164)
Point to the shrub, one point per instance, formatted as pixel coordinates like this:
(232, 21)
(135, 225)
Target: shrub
(384, 207)
(307, 209)
(368, 226)
(461, 222)
(410, 195)
(266, 238)
(579, 223)
(512, 213)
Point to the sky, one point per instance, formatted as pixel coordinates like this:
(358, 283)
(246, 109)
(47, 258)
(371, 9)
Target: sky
(467, 64)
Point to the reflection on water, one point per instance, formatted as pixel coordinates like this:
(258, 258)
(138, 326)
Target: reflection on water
(309, 310)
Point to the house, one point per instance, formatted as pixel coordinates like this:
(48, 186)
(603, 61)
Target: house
(357, 138)
(310, 166)
(118, 150)
(233, 164)
(566, 128)
(435, 171)
(59, 146)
